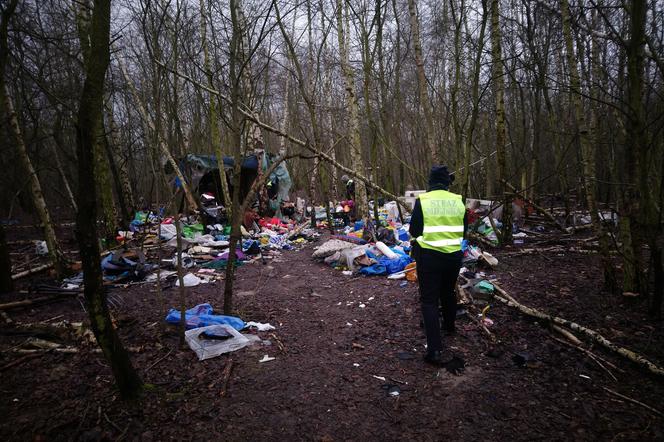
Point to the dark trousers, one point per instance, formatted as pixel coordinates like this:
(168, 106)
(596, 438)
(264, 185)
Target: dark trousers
(437, 278)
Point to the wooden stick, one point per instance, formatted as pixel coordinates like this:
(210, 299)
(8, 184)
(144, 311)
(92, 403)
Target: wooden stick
(31, 271)
(634, 401)
(279, 343)
(17, 304)
(591, 355)
(159, 360)
(567, 334)
(505, 298)
(226, 375)
(20, 360)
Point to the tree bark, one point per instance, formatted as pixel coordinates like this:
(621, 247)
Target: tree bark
(501, 129)
(351, 102)
(87, 130)
(422, 86)
(6, 282)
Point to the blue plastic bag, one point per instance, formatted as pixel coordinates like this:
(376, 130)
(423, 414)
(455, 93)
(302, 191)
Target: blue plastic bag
(201, 316)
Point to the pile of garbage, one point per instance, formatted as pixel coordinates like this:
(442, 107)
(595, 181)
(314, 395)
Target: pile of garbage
(148, 249)
(383, 248)
(369, 248)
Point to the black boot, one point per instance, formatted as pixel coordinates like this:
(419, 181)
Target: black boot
(436, 358)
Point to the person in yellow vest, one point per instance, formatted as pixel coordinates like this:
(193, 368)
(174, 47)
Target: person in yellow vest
(438, 225)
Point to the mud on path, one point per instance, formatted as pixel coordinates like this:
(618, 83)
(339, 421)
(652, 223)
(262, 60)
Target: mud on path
(340, 335)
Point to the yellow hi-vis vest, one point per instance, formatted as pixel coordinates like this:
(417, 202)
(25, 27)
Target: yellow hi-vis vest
(443, 221)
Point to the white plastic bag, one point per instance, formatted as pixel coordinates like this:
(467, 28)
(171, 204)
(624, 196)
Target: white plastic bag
(210, 348)
(189, 280)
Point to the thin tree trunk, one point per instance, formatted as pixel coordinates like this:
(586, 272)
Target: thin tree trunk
(88, 126)
(6, 282)
(215, 136)
(123, 174)
(351, 102)
(150, 126)
(501, 129)
(55, 255)
(422, 86)
(475, 88)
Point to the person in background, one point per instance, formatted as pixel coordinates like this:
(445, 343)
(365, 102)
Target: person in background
(350, 187)
(439, 226)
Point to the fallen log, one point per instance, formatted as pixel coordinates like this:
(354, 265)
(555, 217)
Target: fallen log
(638, 359)
(27, 302)
(31, 271)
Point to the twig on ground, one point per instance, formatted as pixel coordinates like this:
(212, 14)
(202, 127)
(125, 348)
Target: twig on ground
(279, 343)
(113, 424)
(20, 360)
(226, 375)
(159, 360)
(31, 271)
(634, 401)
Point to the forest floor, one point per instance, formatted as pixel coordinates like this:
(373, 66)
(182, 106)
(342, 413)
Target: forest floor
(336, 362)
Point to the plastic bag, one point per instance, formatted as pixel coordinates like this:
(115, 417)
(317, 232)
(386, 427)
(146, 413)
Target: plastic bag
(206, 348)
(201, 316)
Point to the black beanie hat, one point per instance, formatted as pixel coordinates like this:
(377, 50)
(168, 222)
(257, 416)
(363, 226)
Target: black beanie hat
(440, 177)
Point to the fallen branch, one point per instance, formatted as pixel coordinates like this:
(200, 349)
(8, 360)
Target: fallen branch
(159, 360)
(538, 208)
(566, 333)
(20, 360)
(591, 355)
(279, 343)
(226, 375)
(470, 304)
(27, 302)
(634, 401)
(31, 271)
(505, 298)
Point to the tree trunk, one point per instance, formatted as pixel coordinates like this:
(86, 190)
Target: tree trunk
(465, 181)
(127, 201)
(422, 86)
(48, 229)
(351, 98)
(215, 136)
(149, 125)
(6, 282)
(87, 130)
(501, 129)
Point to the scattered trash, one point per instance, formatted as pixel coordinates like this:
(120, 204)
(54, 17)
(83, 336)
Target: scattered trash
(260, 326)
(266, 358)
(41, 248)
(214, 340)
(380, 378)
(189, 280)
(202, 316)
(391, 390)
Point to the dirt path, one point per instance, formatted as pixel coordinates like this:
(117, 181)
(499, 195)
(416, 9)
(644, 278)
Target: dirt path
(324, 385)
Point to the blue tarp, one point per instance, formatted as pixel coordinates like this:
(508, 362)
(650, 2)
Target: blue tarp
(385, 265)
(201, 316)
